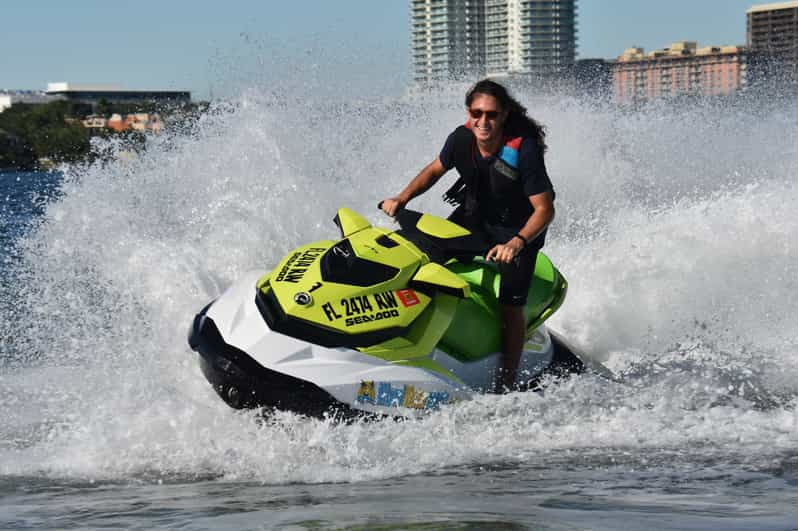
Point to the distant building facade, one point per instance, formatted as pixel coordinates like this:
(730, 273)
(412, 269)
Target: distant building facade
(447, 39)
(141, 122)
(93, 94)
(682, 69)
(31, 97)
(95, 122)
(470, 38)
(772, 29)
(530, 38)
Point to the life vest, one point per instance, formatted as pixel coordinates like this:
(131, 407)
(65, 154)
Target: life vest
(504, 202)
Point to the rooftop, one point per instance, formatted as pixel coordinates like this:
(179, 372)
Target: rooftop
(73, 87)
(56, 88)
(774, 6)
(12, 92)
(676, 50)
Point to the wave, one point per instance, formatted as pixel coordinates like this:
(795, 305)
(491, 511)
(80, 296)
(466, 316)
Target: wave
(674, 226)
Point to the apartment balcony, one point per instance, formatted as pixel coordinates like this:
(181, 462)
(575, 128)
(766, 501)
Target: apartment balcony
(543, 24)
(551, 30)
(530, 60)
(775, 28)
(763, 33)
(430, 48)
(544, 58)
(550, 14)
(548, 37)
(765, 17)
(548, 44)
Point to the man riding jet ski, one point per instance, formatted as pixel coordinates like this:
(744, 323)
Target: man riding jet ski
(379, 322)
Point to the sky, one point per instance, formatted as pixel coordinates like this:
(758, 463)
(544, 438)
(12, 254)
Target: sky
(214, 48)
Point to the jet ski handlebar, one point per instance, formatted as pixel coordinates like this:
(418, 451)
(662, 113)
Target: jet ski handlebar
(402, 216)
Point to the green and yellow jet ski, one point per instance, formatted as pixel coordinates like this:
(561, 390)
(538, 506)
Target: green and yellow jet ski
(385, 322)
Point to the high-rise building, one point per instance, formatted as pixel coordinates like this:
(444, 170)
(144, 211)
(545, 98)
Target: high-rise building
(772, 29)
(525, 38)
(448, 38)
(682, 69)
(530, 38)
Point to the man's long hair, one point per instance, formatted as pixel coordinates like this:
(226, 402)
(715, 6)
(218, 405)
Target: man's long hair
(518, 122)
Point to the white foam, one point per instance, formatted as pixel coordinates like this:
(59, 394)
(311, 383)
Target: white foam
(676, 231)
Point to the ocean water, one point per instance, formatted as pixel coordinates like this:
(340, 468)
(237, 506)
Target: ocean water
(675, 227)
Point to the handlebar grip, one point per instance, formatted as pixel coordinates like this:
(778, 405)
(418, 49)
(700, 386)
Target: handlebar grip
(379, 205)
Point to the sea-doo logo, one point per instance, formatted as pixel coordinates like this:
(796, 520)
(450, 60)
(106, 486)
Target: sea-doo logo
(385, 394)
(373, 317)
(340, 251)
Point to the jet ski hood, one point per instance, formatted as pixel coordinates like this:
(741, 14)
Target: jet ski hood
(360, 284)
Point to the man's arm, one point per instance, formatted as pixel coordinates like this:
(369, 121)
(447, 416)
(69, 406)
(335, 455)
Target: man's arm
(543, 215)
(543, 203)
(420, 184)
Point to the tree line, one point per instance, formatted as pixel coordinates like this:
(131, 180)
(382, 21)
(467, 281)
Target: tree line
(31, 133)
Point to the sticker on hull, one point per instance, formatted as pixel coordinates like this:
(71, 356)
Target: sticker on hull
(408, 297)
(386, 395)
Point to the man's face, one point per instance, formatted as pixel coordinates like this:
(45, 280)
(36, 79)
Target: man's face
(486, 117)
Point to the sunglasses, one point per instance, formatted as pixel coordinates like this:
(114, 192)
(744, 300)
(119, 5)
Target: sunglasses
(476, 114)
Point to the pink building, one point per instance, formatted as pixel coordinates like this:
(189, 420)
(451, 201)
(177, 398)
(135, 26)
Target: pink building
(681, 69)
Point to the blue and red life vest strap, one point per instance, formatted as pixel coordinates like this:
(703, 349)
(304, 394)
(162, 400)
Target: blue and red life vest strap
(509, 151)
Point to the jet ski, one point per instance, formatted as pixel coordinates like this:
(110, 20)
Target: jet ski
(379, 322)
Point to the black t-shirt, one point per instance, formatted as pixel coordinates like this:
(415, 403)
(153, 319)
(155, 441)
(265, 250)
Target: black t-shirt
(531, 172)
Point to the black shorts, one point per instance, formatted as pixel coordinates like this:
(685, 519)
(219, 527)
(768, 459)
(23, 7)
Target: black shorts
(516, 277)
